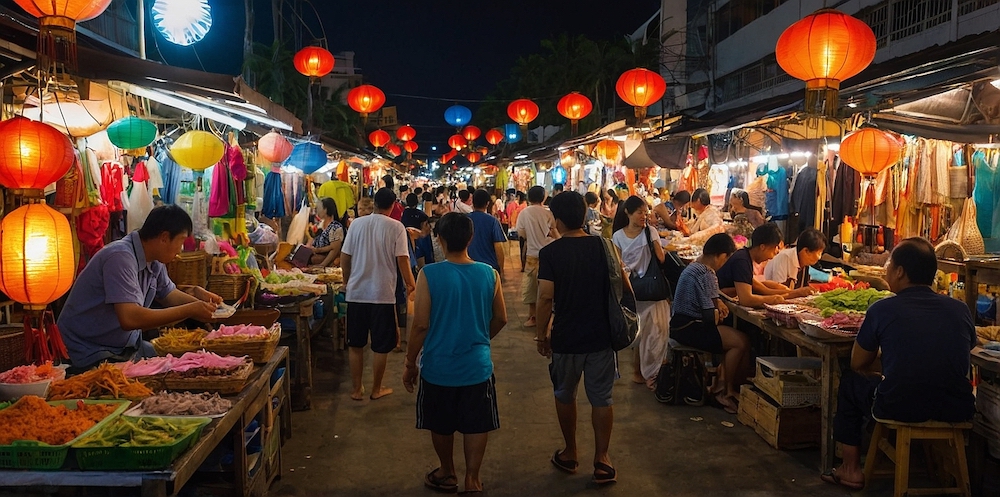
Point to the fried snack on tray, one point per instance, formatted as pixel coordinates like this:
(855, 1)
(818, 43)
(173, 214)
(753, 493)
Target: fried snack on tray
(104, 381)
(180, 338)
(31, 418)
(988, 333)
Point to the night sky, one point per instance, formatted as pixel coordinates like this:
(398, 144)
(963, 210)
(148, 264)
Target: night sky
(445, 49)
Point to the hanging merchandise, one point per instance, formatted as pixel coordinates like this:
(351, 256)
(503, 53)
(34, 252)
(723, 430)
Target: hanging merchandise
(804, 196)
(130, 133)
(70, 192)
(297, 229)
(274, 197)
(965, 232)
(777, 190)
(986, 191)
(140, 199)
(559, 175)
(197, 150)
(155, 181)
(112, 186)
(308, 157)
(220, 191)
(91, 226)
(171, 173)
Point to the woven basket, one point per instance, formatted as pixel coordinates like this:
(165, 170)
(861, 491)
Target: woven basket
(162, 350)
(228, 286)
(224, 385)
(11, 346)
(156, 382)
(260, 351)
(189, 268)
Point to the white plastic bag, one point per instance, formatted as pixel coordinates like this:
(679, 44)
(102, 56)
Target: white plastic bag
(297, 229)
(140, 202)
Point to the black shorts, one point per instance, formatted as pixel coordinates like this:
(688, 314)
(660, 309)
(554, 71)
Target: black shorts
(467, 410)
(378, 319)
(696, 333)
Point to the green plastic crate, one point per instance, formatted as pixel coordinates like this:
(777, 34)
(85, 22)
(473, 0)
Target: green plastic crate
(138, 458)
(27, 454)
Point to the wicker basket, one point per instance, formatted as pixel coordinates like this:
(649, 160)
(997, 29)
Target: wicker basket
(224, 385)
(228, 286)
(11, 346)
(162, 350)
(260, 351)
(189, 268)
(156, 382)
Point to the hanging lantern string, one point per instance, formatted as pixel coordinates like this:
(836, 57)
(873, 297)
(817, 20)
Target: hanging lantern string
(470, 100)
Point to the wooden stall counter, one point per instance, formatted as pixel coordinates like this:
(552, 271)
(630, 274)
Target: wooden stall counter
(253, 475)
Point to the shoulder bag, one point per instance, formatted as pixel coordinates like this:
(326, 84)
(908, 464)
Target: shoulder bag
(652, 286)
(622, 314)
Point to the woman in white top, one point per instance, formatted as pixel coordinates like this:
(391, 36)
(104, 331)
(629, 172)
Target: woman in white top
(708, 216)
(791, 266)
(654, 316)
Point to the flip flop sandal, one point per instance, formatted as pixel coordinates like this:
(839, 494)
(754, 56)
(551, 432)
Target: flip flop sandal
(440, 484)
(565, 465)
(471, 492)
(607, 475)
(727, 404)
(832, 478)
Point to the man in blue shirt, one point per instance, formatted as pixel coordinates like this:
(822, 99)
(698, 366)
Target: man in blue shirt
(109, 304)
(488, 238)
(924, 339)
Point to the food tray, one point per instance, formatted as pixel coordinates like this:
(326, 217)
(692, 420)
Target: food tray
(812, 328)
(231, 384)
(162, 350)
(137, 412)
(14, 391)
(138, 458)
(785, 314)
(29, 454)
(154, 382)
(260, 351)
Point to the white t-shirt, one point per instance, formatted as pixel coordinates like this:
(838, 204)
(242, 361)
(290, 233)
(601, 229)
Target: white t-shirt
(635, 251)
(783, 267)
(462, 207)
(374, 242)
(534, 224)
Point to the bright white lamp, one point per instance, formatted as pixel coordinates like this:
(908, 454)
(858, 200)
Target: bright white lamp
(182, 22)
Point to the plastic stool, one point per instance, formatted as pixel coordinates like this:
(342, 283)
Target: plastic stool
(950, 438)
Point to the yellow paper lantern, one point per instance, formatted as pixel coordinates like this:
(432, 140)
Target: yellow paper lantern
(36, 258)
(197, 150)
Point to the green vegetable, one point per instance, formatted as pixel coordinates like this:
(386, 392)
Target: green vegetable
(842, 299)
(140, 432)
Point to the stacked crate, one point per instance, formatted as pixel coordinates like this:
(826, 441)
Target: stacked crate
(782, 405)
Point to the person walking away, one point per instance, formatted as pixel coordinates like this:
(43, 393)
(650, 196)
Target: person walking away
(374, 255)
(638, 244)
(923, 340)
(592, 223)
(514, 209)
(459, 308)
(536, 225)
(488, 239)
(573, 281)
(698, 311)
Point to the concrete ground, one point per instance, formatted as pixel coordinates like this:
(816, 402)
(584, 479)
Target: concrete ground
(343, 447)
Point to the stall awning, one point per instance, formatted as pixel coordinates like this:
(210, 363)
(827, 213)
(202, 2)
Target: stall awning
(670, 153)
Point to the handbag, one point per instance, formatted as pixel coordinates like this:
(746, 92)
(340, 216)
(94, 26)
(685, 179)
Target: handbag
(622, 314)
(652, 286)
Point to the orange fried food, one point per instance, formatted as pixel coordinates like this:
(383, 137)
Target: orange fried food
(104, 381)
(31, 418)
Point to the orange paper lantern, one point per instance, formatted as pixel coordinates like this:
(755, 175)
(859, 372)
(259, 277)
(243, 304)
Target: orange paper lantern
(522, 111)
(494, 136)
(32, 154)
(57, 26)
(608, 151)
(36, 255)
(406, 133)
(640, 88)
(410, 146)
(274, 148)
(378, 138)
(449, 156)
(77, 10)
(393, 149)
(574, 107)
(365, 99)
(474, 157)
(314, 62)
(869, 151)
(471, 132)
(457, 142)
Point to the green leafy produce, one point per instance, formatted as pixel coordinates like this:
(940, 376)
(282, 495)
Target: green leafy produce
(844, 300)
(141, 432)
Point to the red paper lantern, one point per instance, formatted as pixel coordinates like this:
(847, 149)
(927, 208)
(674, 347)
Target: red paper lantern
(494, 136)
(640, 88)
(378, 138)
(522, 111)
(410, 146)
(314, 62)
(823, 49)
(484, 150)
(406, 133)
(274, 148)
(474, 157)
(574, 107)
(33, 155)
(471, 132)
(870, 151)
(393, 149)
(457, 142)
(450, 155)
(443, 159)
(365, 99)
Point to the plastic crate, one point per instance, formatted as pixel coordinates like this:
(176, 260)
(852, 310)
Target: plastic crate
(138, 458)
(789, 381)
(26, 454)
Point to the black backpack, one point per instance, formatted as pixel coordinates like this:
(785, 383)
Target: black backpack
(683, 378)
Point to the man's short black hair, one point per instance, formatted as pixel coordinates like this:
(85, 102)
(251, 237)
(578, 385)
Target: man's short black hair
(681, 197)
(418, 190)
(811, 240)
(389, 183)
(480, 198)
(719, 243)
(703, 198)
(455, 229)
(591, 198)
(557, 187)
(569, 208)
(428, 197)
(766, 234)
(464, 195)
(916, 257)
(536, 194)
(403, 189)
(170, 218)
(384, 198)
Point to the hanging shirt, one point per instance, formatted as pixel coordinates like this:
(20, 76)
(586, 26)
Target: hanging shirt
(777, 190)
(804, 196)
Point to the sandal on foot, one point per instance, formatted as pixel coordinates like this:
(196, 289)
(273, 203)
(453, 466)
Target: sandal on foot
(472, 492)
(727, 403)
(832, 477)
(565, 465)
(607, 474)
(441, 484)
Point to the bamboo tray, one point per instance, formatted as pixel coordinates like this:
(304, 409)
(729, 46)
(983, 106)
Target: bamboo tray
(162, 349)
(260, 351)
(224, 385)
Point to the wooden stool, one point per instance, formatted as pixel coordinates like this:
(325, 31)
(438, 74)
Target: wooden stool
(699, 357)
(949, 437)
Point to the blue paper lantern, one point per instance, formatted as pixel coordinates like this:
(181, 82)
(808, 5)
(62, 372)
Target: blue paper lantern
(308, 157)
(559, 174)
(457, 115)
(511, 133)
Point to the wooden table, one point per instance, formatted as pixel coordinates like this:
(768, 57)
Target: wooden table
(828, 351)
(247, 405)
(973, 272)
(301, 312)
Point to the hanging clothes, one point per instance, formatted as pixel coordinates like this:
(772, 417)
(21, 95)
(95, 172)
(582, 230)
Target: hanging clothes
(274, 196)
(112, 186)
(171, 173)
(777, 190)
(219, 192)
(238, 170)
(804, 196)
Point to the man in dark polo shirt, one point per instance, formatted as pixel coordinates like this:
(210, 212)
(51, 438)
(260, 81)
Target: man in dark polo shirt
(924, 339)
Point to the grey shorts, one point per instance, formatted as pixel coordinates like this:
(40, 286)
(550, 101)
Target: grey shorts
(599, 370)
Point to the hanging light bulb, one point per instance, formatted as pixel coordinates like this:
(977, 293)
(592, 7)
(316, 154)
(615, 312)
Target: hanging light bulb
(182, 22)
